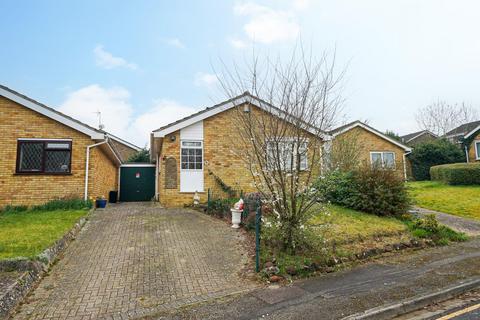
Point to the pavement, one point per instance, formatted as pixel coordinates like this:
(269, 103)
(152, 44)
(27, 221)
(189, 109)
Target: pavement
(384, 281)
(468, 226)
(135, 259)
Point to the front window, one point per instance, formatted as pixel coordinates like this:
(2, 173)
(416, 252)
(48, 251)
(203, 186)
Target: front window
(384, 160)
(287, 155)
(43, 156)
(477, 149)
(192, 155)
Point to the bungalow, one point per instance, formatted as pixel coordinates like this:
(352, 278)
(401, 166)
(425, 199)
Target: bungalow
(371, 146)
(467, 136)
(416, 138)
(48, 155)
(193, 153)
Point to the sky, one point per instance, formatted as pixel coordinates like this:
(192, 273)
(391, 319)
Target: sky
(144, 64)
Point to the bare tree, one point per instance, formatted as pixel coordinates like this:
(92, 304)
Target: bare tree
(281, 142)
(441, 117)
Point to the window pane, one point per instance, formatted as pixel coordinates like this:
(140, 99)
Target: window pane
(191, 144)
(57, 161)
(198, 165)
(31, 155)
(389, 160)
(58, 145)
(191, 165)
(376, 159)
(477, 144)
(184, 152)
(184, 165)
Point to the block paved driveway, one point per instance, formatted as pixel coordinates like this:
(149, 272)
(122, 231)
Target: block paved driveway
(135, 259)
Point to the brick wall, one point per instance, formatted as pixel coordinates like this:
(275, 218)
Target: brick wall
(471, 150)
(103, 174)
(124, 151)
(16, 122)
(369, 142)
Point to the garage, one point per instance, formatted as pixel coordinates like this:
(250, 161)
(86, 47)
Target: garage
(137, 182)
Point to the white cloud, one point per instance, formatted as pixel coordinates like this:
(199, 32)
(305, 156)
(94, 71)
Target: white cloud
(106, 60)
(162, 113)
(203, 79)
(175, 42)
(301, 4)
(237, 43)
(118, 113)
(267, 25)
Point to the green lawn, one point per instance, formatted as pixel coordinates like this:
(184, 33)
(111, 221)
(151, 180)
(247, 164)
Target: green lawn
(457, 200)
(28, 233)
(347, 225)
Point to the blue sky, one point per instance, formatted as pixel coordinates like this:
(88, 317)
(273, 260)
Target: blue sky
(146, 63)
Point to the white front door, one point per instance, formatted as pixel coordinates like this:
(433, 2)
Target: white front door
(191, 170)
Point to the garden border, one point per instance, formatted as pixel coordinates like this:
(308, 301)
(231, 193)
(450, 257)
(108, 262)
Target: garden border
(34, 269)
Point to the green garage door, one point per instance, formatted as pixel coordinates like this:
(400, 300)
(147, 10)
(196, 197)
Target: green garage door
(137, 182)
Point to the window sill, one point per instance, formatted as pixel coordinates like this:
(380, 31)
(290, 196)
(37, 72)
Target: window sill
(191, 192)
(42, 174)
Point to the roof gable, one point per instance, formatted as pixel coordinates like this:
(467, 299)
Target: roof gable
(412, 136)
(50, 113)
(464, 129)
(226, 105)
(355, 124)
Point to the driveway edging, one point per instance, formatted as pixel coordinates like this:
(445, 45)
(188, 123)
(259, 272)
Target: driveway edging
(34, 269)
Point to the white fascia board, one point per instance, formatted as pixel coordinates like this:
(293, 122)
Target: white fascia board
(52, 115)
(472, 132)
(226, 106)
(359, 124)
(124, 142)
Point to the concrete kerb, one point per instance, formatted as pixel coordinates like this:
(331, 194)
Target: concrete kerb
(34, 269)
(416, 303)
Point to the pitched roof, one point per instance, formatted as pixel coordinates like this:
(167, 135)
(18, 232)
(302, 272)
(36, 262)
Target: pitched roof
(463, 129)
(411, 136)
(59, 116)
(337, 131)
(223, 106)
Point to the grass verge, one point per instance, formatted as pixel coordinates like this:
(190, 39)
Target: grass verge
(456, 200)
(28, 233)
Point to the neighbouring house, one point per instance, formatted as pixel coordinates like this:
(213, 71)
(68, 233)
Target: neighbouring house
(457, 134)
(365, 144)
(467, 136)
(419, 137)
(191, 153)
(47, 154)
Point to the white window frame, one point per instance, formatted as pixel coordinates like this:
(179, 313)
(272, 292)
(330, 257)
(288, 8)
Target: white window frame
(191, 147)
(476, 143)
(290, 140)
(383, 160)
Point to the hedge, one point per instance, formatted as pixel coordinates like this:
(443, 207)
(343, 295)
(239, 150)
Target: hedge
(457, 173)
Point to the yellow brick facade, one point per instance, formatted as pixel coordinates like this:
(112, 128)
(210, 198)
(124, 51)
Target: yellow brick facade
(17, 122)
(472, 157)
(221, 157)
(369, 142)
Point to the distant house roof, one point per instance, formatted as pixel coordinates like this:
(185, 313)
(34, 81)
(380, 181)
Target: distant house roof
(51, 113)
(464, 129)
(411, 136)
(208, 112)
(337, 131)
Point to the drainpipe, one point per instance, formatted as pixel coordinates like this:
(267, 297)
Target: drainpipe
(87, 163)
(405, 164)
(466, 154)
(157, 171)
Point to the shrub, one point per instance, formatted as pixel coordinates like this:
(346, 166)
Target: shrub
(428, 223)
(64, 204)
(13, 209)
(221, 207)
(457, 173)
(433, 153)
(142, 156)
(377, 191)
